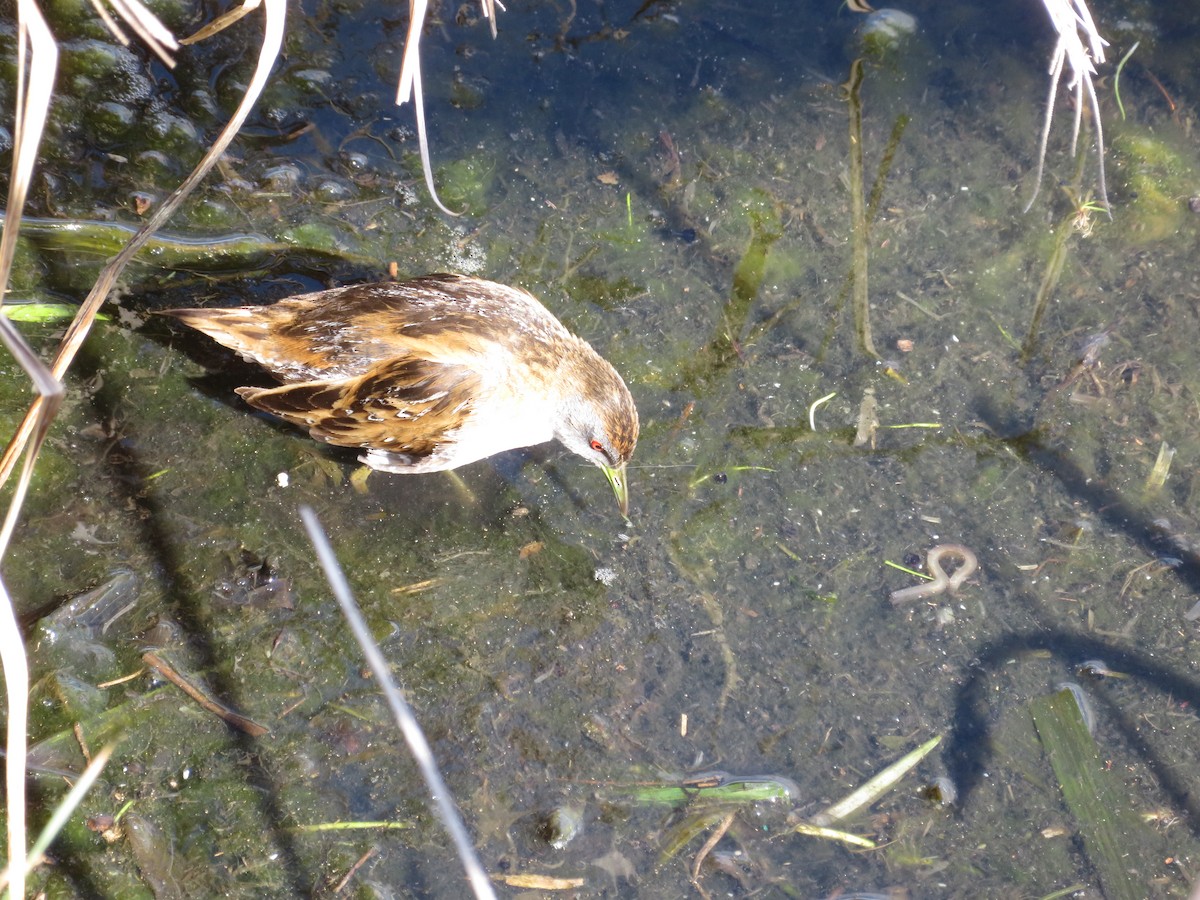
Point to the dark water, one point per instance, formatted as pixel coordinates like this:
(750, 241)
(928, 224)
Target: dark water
(673, 181)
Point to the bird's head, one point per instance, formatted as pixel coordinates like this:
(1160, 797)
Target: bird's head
(599, 421)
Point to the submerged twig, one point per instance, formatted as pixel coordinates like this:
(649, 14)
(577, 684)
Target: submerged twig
(859, 301)
(222, 711)
(863, 210)
(418, 746)
(709, 844)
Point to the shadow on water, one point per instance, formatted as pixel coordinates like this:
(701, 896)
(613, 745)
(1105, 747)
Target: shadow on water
(147, 518)
(1109, 505)
(969, 747)
(968, 750)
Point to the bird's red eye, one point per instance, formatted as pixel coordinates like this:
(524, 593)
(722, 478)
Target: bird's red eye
(597, 446)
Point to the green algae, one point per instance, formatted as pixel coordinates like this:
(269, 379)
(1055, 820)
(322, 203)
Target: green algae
(1156, 178)
(230, 252)
(466, 184)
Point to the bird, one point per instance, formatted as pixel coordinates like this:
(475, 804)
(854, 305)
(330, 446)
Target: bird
(430, 374)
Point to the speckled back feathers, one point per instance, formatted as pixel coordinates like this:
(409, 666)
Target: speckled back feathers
(427, 374)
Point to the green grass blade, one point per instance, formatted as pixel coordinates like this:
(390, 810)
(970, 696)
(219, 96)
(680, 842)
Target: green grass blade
(1088, 790)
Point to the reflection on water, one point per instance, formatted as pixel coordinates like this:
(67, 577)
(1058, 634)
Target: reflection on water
(741, 622)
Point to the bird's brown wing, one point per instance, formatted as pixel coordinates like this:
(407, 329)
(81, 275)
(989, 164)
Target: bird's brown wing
(405, 405)
(340, 333)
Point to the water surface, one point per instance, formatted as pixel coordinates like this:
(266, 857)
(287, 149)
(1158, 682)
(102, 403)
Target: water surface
(673, 181)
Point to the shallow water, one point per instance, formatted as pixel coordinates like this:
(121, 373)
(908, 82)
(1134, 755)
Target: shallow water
(673, 182)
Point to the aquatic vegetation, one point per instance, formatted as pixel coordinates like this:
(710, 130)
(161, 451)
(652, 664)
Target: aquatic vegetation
(1050, 278)
(1158, 174)
(712, 802)
(1090, 792)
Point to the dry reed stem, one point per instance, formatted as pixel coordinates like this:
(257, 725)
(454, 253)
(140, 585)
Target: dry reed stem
(1072, 21)
(147, 26)
(274, 13)
(442, 800)
(37, 56)
(37, 63)
(409, 85)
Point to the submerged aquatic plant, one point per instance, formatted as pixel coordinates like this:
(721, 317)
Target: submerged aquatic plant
(1073, 23)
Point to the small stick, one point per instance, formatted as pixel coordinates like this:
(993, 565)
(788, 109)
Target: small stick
(362, 861)
(1162, 90)
(237, 720)
(713, 840)
(82, 741)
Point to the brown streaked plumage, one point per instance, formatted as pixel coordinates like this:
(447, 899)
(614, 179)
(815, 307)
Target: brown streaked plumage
(431, 374)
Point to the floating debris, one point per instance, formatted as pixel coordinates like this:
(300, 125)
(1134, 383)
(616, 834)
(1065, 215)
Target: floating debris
(868, 420)
(941, 792)
(876, 787)
(562, 825)
(605, 575)
(1098, 668)
(1162, 468)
